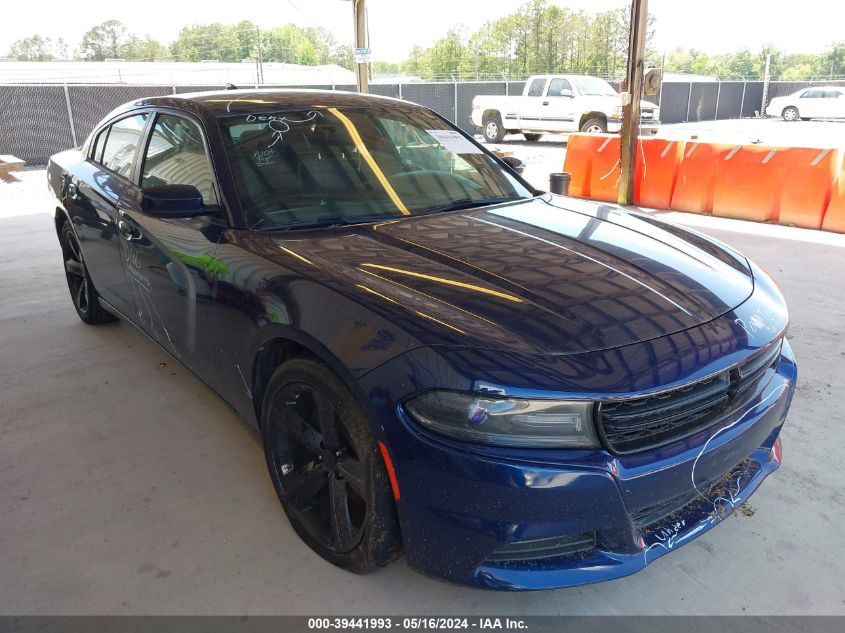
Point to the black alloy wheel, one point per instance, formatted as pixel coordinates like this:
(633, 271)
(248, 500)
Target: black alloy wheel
(82, 292)
(327, 469)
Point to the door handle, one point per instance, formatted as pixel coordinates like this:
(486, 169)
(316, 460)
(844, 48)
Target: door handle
(545, 103)
(127, 230)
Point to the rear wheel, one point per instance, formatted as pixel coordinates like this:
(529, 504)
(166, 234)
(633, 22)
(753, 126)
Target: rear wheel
(790, 114)
(531, 137)
(82, 292)
(492, 129)
(594, 126)
(327, 469)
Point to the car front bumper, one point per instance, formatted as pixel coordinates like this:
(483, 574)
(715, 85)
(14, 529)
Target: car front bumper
(460, 505)
(647, 127)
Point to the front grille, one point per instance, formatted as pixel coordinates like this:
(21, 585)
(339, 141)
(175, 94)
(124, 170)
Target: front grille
(540, 549)
(646, 422)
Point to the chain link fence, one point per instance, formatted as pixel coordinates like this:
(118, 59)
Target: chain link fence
(38, 120)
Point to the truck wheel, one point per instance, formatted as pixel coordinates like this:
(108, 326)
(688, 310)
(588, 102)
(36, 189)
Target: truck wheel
(594, 126)
(492, 129)
(532, 137)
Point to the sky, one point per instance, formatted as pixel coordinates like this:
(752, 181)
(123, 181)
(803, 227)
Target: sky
(712, 26)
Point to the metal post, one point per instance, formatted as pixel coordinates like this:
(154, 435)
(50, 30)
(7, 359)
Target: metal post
(359, 12)
(765, 84)
(400, 90)
(260, 61)
(455, 100)
(718, 94)
(742, 103)
(631, 110)
(70, 117)
(689, 102)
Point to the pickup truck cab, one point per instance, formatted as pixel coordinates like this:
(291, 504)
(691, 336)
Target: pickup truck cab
(557, 103)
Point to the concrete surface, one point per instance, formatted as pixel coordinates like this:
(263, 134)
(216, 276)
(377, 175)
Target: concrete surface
(127, 487)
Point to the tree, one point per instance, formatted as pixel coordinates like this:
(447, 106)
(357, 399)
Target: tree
(104, 41)
(33, 49)
(146, 49)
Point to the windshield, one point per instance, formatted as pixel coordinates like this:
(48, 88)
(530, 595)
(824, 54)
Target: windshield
(326, 165)
(594, 87)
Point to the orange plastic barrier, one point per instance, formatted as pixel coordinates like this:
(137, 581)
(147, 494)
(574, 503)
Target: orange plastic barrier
(834, 218)
(658, 161)
(806, 191)
(581, 149)
(696, 181)
(749, 183)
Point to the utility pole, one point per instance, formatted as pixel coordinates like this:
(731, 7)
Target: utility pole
(766, 78)
(359, 12)
(631, 104)
(259, 61)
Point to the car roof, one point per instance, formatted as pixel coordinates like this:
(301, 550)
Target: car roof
(223, 102)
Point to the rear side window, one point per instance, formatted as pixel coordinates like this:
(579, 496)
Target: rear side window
(536, 88)
(120, 144)
(176, 156)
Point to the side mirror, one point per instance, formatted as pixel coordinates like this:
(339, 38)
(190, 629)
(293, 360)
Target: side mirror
(172, 201)
(651, 81)
(566, 92)
(514, 163)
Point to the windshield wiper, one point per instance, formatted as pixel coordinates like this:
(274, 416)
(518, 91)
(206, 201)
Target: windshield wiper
(467, 203)
(330, 221)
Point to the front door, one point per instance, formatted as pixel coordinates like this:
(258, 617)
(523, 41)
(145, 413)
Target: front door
(531, 105)
(559, 106)
(170, 262)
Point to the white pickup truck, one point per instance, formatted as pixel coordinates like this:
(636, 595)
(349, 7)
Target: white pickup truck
(557, 103)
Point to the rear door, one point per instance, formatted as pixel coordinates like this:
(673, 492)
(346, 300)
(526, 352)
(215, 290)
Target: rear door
(559, 106)
(170, 262)
(93, 196)
(531, 105)
(811, 103)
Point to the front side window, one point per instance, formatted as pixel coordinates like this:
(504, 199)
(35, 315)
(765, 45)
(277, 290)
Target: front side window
(120, 144)
(347, 165)
(812, 94)
(536, 88)
(176, 156)
(557, 87)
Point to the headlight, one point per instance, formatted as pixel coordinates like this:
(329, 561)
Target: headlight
(617, 112)
(506, 421)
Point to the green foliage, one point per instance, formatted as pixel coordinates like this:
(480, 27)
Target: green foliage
(38, 49)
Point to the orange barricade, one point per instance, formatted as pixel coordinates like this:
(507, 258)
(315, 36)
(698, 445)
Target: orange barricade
(807, 187)
(581, 149)
(605, 171)
(696, 181)
(749, 183)
(658, 161)
(834, 218)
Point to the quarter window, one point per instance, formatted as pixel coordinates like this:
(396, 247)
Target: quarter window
(119, 149)
(176, 156)
(536, 88)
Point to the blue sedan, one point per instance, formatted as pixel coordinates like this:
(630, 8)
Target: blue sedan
(517, 390)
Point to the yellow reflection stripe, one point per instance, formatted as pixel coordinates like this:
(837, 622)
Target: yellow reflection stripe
(376, 293)
(448, 282)
(297, 255)
(443, 323)
(359, 143)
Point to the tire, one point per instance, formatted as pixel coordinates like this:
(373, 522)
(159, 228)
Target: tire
(532, 137)
(594, 126)
(82, 292)
(790, 113)
(805, 118)
(327, 469)
(492, 130)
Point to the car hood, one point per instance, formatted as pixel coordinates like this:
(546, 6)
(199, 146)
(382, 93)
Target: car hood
(547, 275)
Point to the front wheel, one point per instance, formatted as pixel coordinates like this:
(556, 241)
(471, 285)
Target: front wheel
(594, 126)
(492, 129)
(85, 299)
(531, 137)
(327, 469)
(790, 114)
